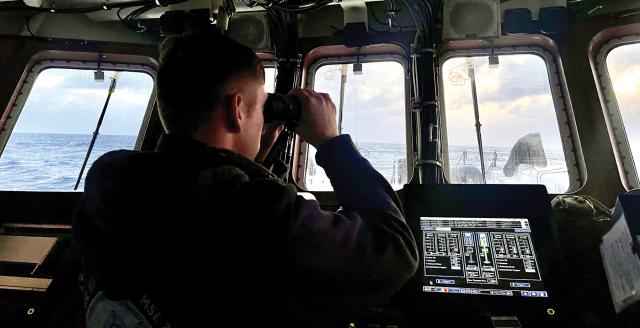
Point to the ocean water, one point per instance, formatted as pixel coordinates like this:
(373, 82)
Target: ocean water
(464, 167)
(40, 161)
(35, 161)
(390, 159)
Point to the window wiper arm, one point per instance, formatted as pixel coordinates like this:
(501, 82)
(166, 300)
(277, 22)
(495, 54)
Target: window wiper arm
(474, 94)
(96, 132)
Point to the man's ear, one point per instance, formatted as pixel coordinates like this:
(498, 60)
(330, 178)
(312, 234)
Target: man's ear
(235, 115)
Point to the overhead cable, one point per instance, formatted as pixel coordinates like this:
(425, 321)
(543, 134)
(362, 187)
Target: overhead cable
(20, 6)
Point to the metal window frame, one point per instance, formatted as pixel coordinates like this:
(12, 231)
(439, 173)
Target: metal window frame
(303, 153)
(617, 132)
(74, 60)
(562, 104)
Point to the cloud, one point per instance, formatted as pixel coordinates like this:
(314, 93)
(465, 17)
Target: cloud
(79, 99)
(513, 99)
(71, 79)
(504, 122)
(374, 102)
(49, 79)
(529, 107)
(70, 101)
(623, 64)
(516, 76)
(626, 79)
(131, 97)
(626, 85)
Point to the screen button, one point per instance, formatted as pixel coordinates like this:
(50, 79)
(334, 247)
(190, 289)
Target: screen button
(520, 284)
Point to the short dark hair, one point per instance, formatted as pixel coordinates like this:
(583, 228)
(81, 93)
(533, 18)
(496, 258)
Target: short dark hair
(193, 69)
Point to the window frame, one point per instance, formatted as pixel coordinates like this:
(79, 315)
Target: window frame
(559, 93)
(303, 147)
(75, 60)
(611, 110)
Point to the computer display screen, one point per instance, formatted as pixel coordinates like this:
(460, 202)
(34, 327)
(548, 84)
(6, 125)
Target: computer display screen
(480, 256)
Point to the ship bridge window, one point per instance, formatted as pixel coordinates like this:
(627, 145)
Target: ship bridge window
(502, 122)
(269, 79)
(50, 129)
(370, 102)
(622, 95)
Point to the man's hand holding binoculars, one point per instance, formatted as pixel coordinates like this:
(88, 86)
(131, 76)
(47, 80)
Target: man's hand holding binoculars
(317, 122)
(313, 114)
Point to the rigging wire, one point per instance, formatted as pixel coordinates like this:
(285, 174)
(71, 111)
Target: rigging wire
(304, 8)
(282, 5)
(118, 13)
(416, 21)
(130, 19)
(391, 11)
(144, 6)
(428, 18)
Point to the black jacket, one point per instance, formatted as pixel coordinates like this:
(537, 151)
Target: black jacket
(190, 222)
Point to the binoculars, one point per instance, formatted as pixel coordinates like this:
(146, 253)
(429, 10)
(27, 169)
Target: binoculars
(282, 108)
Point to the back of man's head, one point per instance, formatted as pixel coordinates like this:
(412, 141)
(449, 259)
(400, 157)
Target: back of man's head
(194, 69)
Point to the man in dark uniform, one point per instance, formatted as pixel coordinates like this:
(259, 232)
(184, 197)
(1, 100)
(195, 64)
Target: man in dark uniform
(198, 232)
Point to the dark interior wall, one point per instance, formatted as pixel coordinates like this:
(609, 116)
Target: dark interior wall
(13, 23)
(603, 179)
(69, 26)
(14, 56)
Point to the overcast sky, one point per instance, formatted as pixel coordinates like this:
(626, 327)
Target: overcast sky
(270, 79)
(70, 101)
(623, 64)
(514, 99)
(374, 102)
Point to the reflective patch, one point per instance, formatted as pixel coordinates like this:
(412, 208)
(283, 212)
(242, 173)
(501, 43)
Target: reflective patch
(105, 313)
